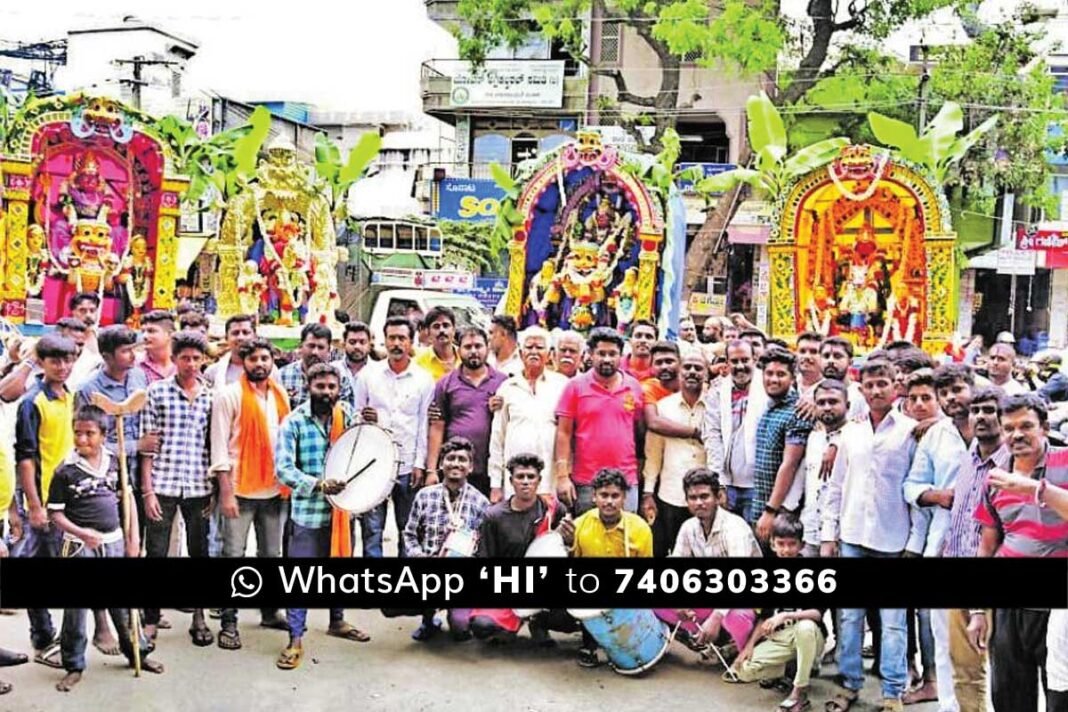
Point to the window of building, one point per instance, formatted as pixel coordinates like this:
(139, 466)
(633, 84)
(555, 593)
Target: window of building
(611, 43)
(703, 142)
(1060, 78)
(524, 147)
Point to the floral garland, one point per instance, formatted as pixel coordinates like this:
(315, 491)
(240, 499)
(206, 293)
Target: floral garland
(881, 163)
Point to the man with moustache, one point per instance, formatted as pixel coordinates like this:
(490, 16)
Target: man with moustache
(599, 423)
(462, 397)
(444, 521)
(665, 382)
(986, 452)
(526, 420)
(300, 460)
(782, 435)
(245, 418)
(809, 363)
(356, 341)
(1000, 359)
(396, 394)
(442, 356)
(507, 531)
(239, 329)
(639, 363)
(832, 403)
(836, 355)
(314, 348)
(732, 412)
(865, 515)
(668, 459)
(1019, 521)
(568, 348)
(930, 488)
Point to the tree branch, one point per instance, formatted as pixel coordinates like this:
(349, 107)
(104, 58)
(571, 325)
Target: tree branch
(622, 92)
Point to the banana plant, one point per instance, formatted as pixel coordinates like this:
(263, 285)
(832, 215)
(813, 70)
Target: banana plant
(939, 147)
(198, 158)
(774, 166)
(338, 176)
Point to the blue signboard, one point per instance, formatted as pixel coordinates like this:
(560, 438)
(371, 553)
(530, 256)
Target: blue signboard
(488, 291)
(709, 169)
(468, 199)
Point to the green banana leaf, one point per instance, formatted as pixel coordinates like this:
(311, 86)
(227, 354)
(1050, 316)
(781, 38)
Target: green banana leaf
(899, 135)
(765, 124)
(814, 156)
(247, 148)
(361, 155)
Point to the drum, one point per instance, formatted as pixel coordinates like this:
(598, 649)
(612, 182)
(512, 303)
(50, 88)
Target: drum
(365, 457)
(633, 638)
(549, 545)
(687, 628)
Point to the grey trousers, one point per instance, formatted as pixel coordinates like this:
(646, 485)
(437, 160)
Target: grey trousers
(268, 517)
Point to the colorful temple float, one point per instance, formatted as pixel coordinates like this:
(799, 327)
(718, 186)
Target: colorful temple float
(593, 243)
(90, 202)
(863, 248)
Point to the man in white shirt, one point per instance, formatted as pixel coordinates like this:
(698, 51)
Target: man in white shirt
(396, 395)
(668, 459)
(526, 420)
(832, 403)
(1000, 360)
(732, 411)
(239, 329)
(865, 515)
(504, 346)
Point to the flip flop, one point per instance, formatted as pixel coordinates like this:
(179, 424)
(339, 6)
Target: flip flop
(5, 687)
(276, 623)
(348, 632)
(229, 639)
(50, 656)
(202, 637)
(290, 659)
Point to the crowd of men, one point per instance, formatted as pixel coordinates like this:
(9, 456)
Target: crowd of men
(727, 445)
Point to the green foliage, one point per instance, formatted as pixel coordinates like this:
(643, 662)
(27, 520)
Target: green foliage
(938, 148)
(470, 245)
(996, 75)
(775, 166)
(206, 162)
(338, 176)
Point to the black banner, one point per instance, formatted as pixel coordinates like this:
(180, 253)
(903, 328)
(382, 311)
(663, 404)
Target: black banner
(534, 583)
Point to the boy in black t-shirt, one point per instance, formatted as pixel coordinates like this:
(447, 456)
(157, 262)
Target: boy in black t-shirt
(785, 634)
(84, 504)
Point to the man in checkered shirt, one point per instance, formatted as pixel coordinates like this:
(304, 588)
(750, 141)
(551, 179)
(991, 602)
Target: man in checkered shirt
(444, 521)
(176, 477)
(314, 348)
(300, 463)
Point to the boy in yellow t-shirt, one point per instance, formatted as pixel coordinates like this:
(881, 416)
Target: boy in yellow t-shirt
(609, 531)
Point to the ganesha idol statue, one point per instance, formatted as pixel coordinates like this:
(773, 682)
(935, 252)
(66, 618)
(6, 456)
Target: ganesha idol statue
(91, 264)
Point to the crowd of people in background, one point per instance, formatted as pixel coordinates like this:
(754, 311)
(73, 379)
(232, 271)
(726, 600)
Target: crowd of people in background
(722, 443)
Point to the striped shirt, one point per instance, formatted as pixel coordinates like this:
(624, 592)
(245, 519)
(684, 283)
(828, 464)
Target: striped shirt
(299, 461)
(1028, 530)
(730, 536)
(180, 468)
(962, 537)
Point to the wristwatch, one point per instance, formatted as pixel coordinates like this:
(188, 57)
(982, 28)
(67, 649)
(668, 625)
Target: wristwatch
(768, 509)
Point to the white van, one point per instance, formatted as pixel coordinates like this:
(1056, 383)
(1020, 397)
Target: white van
(408, 302)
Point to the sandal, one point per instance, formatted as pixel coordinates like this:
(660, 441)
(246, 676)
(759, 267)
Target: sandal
(780, 684)
(290, 659)
(842, 701)
(5, 687)
(348, 631)
(891, 704)
(275, 623)
(202, 636)
(587, 658)
(10, 658)
(50, 656)
(229, 639)
(792, 704)
(426, 630)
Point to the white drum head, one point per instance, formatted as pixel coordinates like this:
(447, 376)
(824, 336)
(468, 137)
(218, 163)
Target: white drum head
(370, 451)
(548, 545)
(585, 614)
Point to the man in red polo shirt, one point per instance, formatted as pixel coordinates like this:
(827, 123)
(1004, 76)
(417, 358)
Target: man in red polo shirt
(601, 410)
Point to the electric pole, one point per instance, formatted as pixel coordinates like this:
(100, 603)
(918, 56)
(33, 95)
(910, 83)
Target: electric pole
(138, 63)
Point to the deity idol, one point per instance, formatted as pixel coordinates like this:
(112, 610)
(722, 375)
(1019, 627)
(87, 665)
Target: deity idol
(541, 287)
(92, 264)
(85, 195)
(136, 274)
(821, 312)
(324, 299)
(903, 313)
(250, 288)
(624, 299)
(38, 260)
(860, 301)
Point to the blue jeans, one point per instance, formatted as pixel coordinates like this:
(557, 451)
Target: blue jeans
(739, 499)
(892, 659)
(308, 543)
(584, 499)
(39, 544)
(373, 523)
(73, 639)
(215, 532)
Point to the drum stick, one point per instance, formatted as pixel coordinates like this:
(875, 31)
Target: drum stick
(360, 471)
